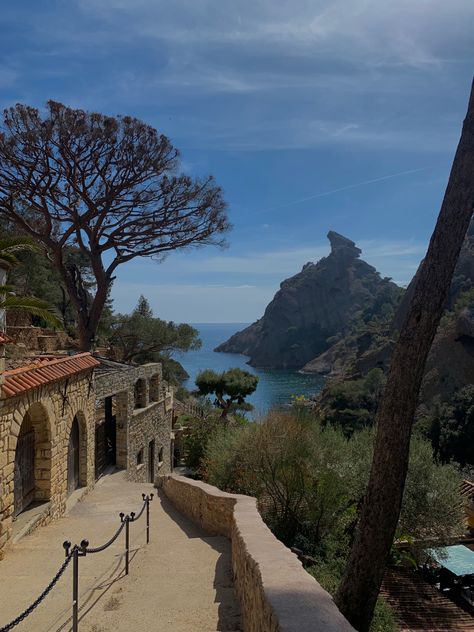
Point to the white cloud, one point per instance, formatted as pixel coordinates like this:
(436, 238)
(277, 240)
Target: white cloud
(196, 302)
(225, 301)
(415, 33)
(284, 75)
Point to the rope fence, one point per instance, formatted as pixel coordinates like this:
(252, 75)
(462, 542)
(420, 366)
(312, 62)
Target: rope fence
(21, 617)
(74, 552)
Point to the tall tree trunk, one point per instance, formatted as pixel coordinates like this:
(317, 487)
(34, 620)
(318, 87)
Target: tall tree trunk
(88, 310)
(363, 575)
(89, 319)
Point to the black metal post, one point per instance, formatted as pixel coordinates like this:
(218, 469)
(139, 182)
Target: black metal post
(147, 520)
(75, 590)
(147, 498)
(127, 543)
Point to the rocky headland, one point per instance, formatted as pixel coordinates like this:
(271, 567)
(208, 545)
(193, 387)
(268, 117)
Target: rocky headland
(338, 317)
(312, 307)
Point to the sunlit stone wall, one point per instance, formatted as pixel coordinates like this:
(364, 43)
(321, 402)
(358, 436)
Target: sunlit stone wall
(275, 593)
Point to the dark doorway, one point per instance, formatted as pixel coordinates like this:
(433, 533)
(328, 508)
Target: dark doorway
(105, 439)
(151, 462)
(73, 458)
(24, 477)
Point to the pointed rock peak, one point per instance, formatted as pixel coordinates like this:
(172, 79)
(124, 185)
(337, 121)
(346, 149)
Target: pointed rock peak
(340, 245)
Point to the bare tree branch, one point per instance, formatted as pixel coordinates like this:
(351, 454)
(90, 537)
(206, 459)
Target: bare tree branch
(108, 185)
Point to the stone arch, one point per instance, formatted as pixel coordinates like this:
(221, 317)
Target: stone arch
(154, 387)
(140, 393)
(32, 462)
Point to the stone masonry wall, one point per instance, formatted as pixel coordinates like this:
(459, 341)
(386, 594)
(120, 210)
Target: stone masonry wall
(38, 339)
(140, 421)
(52, 409)
(275, 593)
(152, 423)
(52, 416)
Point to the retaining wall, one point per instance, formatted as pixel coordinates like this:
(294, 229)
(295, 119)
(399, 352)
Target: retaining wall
(275, 593)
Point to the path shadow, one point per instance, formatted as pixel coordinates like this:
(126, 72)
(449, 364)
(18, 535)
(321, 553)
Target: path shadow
(228, 608)
(185, 524)
(229, 619)
(92, 595)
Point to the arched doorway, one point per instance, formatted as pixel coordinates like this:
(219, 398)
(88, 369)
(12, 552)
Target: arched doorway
(32, 466)
(24, 481)
(73, 458)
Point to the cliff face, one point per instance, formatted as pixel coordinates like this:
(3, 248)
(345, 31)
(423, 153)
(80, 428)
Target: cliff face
(450, 364)
(319, 302)
(463, 279)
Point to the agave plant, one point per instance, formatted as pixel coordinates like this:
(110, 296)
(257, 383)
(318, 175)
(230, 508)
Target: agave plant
(9, 248)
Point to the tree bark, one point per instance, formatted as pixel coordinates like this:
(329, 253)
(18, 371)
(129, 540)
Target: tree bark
(88, 310)
(380, 512)
(89, 318)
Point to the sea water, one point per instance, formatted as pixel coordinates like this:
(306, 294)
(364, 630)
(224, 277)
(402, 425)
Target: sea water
(276, 387)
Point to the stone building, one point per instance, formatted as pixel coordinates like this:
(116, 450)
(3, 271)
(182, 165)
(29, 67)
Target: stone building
(64, 420)
(134, 415)
(46, 438)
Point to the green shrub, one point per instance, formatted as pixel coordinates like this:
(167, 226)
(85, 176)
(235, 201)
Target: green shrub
(310, 480)
(450, 427)
(227, 459)
(202, 430)
(199, 430)
(352, 404)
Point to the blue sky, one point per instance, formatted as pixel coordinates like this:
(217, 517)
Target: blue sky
(312, 115)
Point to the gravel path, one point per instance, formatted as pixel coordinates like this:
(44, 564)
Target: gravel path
(180, 582)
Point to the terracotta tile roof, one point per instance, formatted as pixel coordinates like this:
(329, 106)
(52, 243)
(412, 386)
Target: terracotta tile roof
(43, 370)
(420, 607)
(4, 339)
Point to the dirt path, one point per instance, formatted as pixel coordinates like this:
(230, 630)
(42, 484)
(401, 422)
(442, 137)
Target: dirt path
(180, 582)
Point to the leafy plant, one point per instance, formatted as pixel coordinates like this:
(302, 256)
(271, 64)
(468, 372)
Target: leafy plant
(10, 248)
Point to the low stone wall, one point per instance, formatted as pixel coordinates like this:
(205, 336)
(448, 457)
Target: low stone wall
(275, 593)
(38, 339)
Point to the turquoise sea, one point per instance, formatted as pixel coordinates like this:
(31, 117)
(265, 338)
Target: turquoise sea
(275, 386)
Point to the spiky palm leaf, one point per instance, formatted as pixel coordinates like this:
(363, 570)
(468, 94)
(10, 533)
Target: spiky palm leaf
(11, 246)
(29, 304)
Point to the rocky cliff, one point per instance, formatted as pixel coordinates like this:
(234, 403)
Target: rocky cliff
(320, 302)
(450, 364)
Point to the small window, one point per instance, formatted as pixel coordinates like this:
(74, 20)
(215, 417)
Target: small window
(140, 393)
(140, 457)
(154, 388)
(160, 455)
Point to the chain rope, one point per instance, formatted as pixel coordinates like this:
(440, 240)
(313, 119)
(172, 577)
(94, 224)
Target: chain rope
(139, 514)
(44, 594)
(131, 518)
(99, 549)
